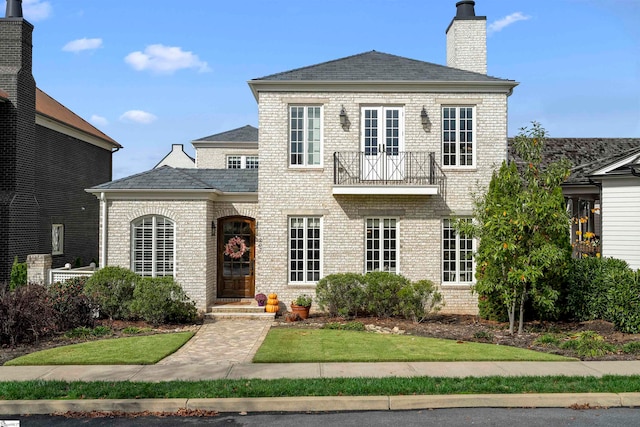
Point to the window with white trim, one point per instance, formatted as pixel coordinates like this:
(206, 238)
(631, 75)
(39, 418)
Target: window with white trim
(57, 239)
(305, 135)
(458, 136)
(305, 252)
(153, 246)
(242, 162)
(381, 245)
(457, 255)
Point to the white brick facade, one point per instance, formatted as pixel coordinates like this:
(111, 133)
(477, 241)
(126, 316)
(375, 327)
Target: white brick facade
(467, 45)
(285, 191)
(216, 158)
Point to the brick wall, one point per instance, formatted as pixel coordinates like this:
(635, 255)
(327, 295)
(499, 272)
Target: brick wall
(216, 158)
(467, 45)
(285, 191)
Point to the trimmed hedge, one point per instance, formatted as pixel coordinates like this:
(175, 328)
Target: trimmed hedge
(161, 300)
(110, 289)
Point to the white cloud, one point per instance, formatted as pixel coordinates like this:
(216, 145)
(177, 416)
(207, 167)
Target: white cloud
(500, 24)
(138, 116)
(99, 120)
(165, 59)
(36, 10)
(82, 44)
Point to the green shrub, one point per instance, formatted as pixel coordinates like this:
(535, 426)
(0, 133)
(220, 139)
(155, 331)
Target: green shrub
(483, 335)
(348, 326)
(382, 292)
(72, 307)
(416, 300)
(18, 275)
(623, 300)
(25, 314)
(587, 286)
(160, 300)
(79, 332)
(341, 294)
(547, 340)
(491, 307)
(101, 331)
(632, 347)
(588, 344)
(111, 290)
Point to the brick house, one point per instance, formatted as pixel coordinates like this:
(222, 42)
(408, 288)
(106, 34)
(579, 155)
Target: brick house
(363, 161)
(48, 156)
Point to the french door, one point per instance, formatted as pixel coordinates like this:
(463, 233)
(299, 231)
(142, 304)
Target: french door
(382, 143)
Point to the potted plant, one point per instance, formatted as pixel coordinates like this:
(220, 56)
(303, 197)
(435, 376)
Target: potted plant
(261, 299)
(301, 305)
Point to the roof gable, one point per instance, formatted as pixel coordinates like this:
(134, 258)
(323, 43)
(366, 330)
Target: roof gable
(379, 66)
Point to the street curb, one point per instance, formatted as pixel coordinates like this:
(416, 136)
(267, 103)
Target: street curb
(326, 403)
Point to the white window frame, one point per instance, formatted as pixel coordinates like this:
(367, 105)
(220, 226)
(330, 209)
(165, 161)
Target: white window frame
(446, 225)
(305, 137)
(154, 272)
(57, 239)
(305, 250)
(242, 161)
(459, 123)
(381, 248)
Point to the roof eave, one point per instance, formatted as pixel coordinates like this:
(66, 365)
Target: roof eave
(173, 194)
(90, 138)
(502, 86)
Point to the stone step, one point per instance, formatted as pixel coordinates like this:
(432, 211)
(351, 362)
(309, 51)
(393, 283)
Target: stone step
(234, 308)
(240, 315)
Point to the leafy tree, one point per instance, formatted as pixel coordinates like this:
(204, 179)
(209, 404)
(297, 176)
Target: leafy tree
(523, 228)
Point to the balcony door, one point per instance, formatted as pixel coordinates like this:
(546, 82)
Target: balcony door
(382, 144)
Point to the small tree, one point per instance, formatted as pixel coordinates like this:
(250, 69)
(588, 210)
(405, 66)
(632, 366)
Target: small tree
(523, 228)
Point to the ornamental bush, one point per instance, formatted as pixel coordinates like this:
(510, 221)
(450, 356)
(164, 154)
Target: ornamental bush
(623, 300)
(71, 306)
(162, 300)
(25, 314)
(418, 299)
(382, 292)
(110, 289)
(341, 294)
(588, 284)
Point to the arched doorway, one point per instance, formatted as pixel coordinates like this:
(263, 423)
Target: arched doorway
(236, 255)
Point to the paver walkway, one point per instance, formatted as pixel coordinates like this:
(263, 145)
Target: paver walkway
(222, 341)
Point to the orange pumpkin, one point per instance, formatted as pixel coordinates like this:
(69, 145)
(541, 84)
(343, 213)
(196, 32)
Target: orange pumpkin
(272, 296)
(272, 301)
(271, 308)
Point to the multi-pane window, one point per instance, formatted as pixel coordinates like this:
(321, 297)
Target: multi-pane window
(457, 255)
(382, 130)
(242, 162)
(381, 241)
(458, 136)
(305, 136)
(57, 239)
(153, 246)
(304, 249)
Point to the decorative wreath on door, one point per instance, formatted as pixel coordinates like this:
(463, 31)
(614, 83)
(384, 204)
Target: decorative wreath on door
(235, 247)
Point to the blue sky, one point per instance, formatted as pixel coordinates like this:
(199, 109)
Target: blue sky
(151, 73)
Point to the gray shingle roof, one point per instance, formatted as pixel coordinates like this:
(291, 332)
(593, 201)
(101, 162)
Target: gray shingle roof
(378, 66)
(585, 154)
(246, 133)
(168, 178)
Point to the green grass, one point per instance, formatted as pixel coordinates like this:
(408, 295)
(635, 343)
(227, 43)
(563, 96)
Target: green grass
(143, 350)
(283, 345)
(316, 387)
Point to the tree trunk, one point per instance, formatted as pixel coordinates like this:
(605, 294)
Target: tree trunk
(512, 316)
(522, 300)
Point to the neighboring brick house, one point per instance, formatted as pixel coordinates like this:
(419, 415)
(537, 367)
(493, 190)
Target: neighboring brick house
(602, 194)
(48, 156)
(363, 163)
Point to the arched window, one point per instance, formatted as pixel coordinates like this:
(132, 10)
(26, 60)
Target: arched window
(153, 246)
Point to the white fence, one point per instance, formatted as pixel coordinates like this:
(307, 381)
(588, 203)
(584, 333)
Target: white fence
(66, 272)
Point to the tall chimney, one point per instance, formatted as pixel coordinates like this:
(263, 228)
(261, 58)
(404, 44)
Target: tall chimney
(14, 9)
(467, 39)
(19, 223)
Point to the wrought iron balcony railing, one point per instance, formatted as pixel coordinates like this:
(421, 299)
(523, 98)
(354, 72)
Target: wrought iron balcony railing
(386, 168)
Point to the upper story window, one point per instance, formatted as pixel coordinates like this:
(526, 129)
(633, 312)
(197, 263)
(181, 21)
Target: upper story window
(242, 162)
(153, 246)
(305, 135)
(458, 136)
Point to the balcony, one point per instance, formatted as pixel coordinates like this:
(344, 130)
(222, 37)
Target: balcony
(386, 173)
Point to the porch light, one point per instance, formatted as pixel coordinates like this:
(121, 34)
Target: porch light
(426, 123)
(213, 228)
(344, 120)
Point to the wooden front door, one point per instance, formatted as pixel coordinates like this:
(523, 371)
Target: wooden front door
(236, 252)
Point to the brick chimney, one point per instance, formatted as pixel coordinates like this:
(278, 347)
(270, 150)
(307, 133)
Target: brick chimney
(467, 39)
(18, 205)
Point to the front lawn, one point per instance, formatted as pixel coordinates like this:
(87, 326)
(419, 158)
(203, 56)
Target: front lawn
(145, 350)
(283, 345)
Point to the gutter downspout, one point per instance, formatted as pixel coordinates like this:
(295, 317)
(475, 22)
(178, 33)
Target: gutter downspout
(103, 238)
